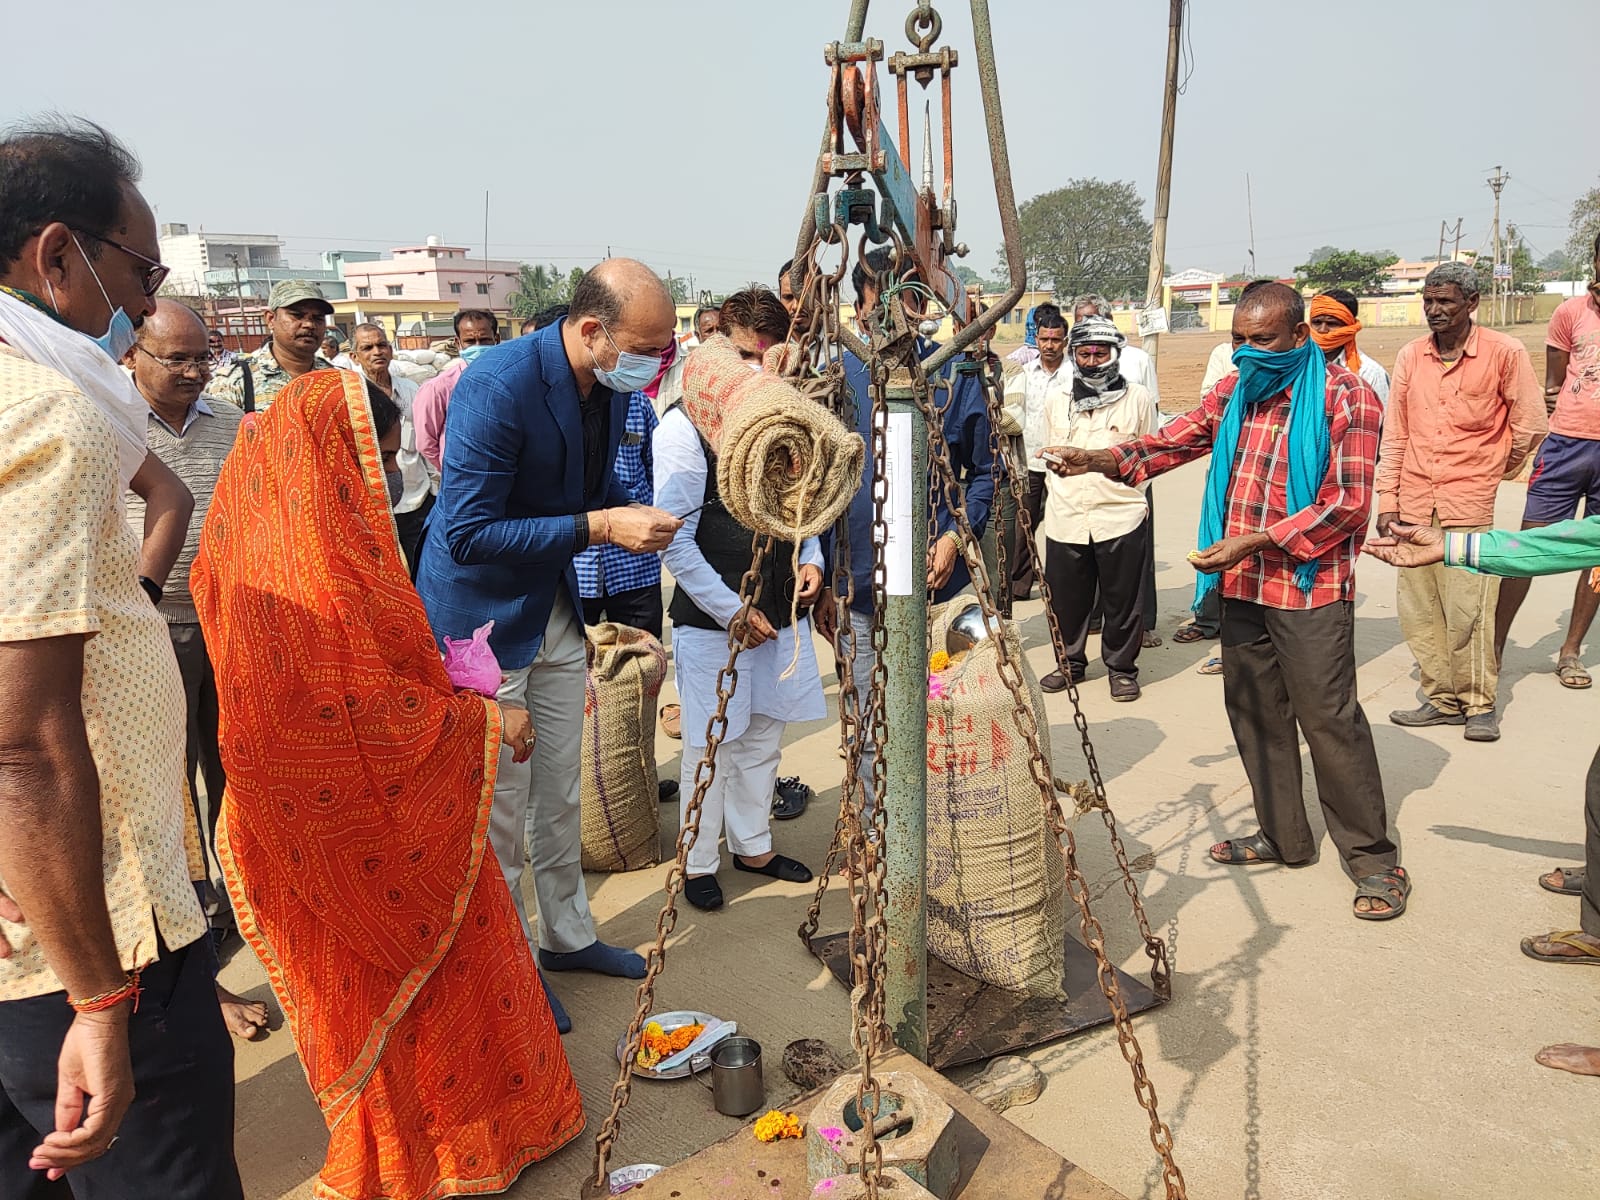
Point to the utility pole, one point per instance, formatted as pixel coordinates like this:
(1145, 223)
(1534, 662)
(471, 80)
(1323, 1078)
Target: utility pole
(1439, 258)
(1498, 183)
(1169, 118)
(1455, 255)
(1250, 216)
(238, 294)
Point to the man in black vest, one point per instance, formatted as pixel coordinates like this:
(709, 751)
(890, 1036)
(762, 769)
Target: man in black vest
(778, 679)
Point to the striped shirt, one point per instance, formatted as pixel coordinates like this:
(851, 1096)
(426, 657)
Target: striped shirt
(610, 570)
(194, 454)
(1330, 529)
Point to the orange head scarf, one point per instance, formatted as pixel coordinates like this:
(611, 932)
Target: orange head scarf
(356, 815)
(1343, 338)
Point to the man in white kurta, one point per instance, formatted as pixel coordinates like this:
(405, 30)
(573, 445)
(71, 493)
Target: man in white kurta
(778, 680)
(1097, 530)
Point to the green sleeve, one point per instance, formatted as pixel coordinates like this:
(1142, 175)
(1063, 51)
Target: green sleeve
(1523, 554)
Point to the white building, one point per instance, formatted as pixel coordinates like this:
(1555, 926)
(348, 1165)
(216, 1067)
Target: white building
(191, 255)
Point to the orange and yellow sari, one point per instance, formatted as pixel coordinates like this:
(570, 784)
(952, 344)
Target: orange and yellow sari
(354, 830)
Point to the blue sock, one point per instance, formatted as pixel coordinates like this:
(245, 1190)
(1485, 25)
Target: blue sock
(598, 957)
(563, 1022)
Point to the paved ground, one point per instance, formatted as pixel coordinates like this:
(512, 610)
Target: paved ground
(1305, 1054)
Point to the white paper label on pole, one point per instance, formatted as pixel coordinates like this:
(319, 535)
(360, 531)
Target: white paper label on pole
(1152, 320)
(900, 549)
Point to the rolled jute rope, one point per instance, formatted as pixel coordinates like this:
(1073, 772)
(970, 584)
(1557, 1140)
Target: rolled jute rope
(786, 467)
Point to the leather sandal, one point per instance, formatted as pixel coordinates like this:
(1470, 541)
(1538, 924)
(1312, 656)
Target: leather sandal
(1392, 887)
(1247, 851)
(1571, 881)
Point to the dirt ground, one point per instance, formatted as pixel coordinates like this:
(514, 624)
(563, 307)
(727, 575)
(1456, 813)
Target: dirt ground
(1304, 1054)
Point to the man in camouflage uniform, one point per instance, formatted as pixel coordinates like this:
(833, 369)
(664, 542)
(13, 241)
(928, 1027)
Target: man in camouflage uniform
(297, 319)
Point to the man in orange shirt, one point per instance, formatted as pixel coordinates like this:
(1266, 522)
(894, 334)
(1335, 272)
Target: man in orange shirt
(1465, 411)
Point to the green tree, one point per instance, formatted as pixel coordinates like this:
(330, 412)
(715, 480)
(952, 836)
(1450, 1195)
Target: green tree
(678, 288)
(971, 279)
(1349, 269)
(1585, 228)
(539, 287)
(1558, 264)
(1089, 236)
(1525, 272)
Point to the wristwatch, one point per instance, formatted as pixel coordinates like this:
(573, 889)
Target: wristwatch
(151, 589)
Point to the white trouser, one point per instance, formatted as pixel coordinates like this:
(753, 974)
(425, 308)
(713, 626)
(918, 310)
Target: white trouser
(860, 632)
(537, 802)
(738, 803)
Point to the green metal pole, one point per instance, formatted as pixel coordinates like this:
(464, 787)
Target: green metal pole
(906, 738)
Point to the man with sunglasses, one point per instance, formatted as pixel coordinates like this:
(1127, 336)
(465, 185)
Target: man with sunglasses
(297, 320)
(105, 971)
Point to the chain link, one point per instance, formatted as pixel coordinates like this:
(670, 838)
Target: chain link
(1154, 947)
(1008, 668)
(655, 960)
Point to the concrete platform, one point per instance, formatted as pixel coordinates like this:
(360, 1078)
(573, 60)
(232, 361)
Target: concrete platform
(998, 1160)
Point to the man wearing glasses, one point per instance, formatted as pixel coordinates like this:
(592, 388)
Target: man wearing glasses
(191, 433)
(96, 900)
(297, 319)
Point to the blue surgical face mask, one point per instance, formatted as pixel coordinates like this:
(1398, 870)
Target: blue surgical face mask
(471, 354)
(120, 335)
(632, 372)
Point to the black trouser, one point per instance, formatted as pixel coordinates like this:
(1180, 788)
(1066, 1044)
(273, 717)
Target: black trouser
(639, 608)
(1208, 617)
(202, 751)
(1285, 668)
(1116, 569)
(1147, 584)
(176, 1142)
(409, 526)
(1022, 561)
(1590, 920)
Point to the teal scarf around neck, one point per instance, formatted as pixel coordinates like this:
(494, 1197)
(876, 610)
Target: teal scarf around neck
(1264, 374)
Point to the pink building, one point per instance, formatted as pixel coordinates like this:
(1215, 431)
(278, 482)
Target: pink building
(434, 272)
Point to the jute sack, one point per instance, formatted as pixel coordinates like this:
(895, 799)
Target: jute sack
(996, 880)
(621, 825)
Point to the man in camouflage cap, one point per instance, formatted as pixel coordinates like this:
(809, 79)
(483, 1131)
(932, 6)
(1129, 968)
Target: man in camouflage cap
(297, 319)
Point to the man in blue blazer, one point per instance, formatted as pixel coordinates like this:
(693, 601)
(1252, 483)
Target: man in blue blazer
(526, 483)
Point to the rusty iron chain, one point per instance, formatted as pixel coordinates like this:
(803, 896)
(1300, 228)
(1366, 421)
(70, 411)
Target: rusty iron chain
(1155, 948)
(1023, 717)
(655, 960)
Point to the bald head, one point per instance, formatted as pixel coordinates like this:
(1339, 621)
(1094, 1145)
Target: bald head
(170, 320)
(619, 307)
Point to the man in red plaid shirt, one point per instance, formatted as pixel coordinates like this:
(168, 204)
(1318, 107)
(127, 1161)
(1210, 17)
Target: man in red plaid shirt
(1288, 653)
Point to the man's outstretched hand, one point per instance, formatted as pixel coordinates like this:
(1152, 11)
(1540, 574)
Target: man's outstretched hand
(1408, 546)
(1219, 556)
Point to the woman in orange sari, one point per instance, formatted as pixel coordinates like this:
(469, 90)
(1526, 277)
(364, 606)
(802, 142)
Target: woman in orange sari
(355, 823)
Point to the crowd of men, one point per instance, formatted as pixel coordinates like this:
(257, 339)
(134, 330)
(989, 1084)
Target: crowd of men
(545, 480)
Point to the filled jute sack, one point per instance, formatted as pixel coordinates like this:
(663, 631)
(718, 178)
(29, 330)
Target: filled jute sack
(996, 879)
(621, 826)
(786, 466)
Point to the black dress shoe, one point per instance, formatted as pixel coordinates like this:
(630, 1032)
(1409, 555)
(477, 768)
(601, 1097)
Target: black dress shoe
(778, 867)
(704, 892)
(666, 790)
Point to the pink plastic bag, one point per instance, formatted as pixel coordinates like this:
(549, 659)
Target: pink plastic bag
(471, 664)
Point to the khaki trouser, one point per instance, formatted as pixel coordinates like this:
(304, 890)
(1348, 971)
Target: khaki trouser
(1447, 616)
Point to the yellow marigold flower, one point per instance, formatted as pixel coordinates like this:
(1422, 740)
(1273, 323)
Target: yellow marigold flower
(776, 1125)
(940, 661)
